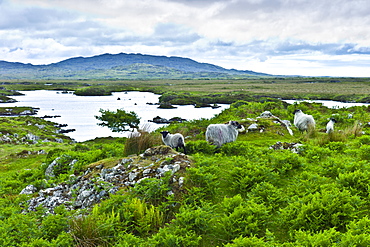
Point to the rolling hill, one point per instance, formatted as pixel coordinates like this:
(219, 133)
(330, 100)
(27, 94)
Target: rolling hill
(123, 66)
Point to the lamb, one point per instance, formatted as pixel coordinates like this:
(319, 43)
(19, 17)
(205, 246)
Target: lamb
(219, 134)
(173, 140)
(330, 125)
(303, 121)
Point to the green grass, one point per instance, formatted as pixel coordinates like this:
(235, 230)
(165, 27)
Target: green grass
(242, 194)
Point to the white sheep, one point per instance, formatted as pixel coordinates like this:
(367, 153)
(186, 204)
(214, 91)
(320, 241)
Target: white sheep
(303, 122)
(330, 125)
(219, 134)
(173, 140)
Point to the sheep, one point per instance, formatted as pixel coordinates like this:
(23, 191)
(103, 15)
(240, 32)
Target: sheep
(173, 140)
(219, 134)
(303, 121)
(330, 125)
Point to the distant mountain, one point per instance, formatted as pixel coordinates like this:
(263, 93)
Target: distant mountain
(123, 66)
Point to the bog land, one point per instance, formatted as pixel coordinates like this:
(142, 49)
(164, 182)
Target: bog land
(211, 91)
(268, 188)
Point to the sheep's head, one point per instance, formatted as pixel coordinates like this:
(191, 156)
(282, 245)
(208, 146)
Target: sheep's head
(297, 111)
(236, 124)
(164, 133)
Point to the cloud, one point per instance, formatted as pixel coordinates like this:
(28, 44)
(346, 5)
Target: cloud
(231, 33)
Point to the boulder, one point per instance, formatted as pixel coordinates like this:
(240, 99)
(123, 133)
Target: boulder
(30, 189)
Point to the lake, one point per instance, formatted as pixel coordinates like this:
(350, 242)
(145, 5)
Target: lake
(329, 103)
(79, 111)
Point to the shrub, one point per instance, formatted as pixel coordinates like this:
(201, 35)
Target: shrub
(365, 152)
(315, 153)
(245, 175)
(336, 146)
(358, 233)
(200, 147)
(18, 229)
(242, 148)
(268, 194)
(53, 225)
(322, 239)
(203, 182)
(365, 139)
(247, 241)
(283, 161)
(356, 181)
(154, 191)
(321, 211)
(128, 214)
(128, 240)
(240, 218)
(170, 236)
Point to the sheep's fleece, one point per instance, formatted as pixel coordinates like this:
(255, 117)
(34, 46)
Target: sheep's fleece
(173, 140)
(219, 134)
(330, 125)
(303, 121)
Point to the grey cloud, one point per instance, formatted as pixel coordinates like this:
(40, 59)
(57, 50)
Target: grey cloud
(262, 49)
(196, 3)
(324, 48)
(174, 33)
(33, 18)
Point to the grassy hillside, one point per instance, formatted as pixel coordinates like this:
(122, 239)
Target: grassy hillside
(253, 192)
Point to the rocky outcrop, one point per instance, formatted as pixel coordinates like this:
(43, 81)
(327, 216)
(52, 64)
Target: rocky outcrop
(15, 111)
(30, 189)
(254, 125)
(28, 138)
(284, 123)
(101, 180)
(160, 120)
(294, 147)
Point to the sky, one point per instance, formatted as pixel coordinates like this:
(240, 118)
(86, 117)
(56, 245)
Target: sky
(280, 37)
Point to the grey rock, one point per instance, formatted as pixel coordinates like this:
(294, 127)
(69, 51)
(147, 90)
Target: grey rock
(181, 181)
(93, 186)
(294, 147)
(49, 172)
(132, 176)
(253, 127)
(30, 189)
(266, 114)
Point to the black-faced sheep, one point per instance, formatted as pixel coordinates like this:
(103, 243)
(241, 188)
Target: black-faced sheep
(219, 134)
(330, 125)
(303, 122)
(173, 140)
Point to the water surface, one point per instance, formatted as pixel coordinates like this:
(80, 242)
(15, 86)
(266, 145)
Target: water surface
(79, 111)
(329, 103)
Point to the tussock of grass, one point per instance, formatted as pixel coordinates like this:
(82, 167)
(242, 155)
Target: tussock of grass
(141, 140)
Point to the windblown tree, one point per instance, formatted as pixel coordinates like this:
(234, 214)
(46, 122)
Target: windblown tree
(118, 121)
